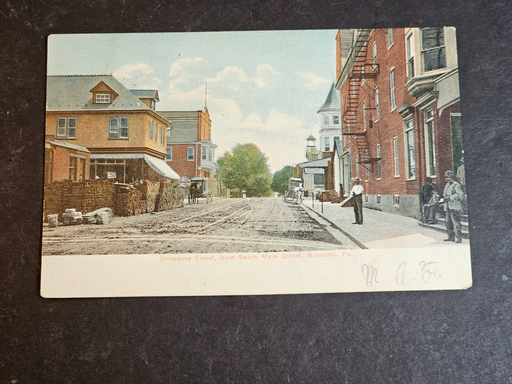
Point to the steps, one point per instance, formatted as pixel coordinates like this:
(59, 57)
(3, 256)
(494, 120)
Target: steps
(441, 225)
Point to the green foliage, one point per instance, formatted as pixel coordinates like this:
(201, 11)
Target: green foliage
(245, 168)
(281, 179)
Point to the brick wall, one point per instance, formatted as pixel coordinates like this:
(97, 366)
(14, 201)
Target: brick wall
(180, 164)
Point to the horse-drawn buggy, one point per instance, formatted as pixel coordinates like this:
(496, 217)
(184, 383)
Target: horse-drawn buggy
(199, 189)
(295, 192)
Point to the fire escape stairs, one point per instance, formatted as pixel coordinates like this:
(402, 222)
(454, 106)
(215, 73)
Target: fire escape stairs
(360, 69)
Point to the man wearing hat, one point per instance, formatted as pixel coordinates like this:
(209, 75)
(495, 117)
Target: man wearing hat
(357, 195)
(453, 207)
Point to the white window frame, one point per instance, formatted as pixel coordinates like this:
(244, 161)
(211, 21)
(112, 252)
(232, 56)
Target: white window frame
(365, 117)
(102, 98)
(115, 132)
(374, 54)
(362, 74)
(204, 153)
(409, 55)
(390, 40)
(396, 163)
(430, 143)
(392, 94)
(326, 120)
(150, 130)
(123, 127)
(336, 119)
(327, 144)
(190, 153)
(379, 162)
(410, 161)
(168, 154)
(438, 47)
(377, 104)
(367, 158)
(64, 128)
(357, 166)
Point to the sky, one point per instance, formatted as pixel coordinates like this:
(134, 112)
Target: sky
(263, 87)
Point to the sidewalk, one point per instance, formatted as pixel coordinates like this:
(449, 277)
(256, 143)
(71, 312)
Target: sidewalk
(381, 229)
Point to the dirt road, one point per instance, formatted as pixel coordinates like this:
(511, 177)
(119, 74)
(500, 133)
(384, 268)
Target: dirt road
(225, 225)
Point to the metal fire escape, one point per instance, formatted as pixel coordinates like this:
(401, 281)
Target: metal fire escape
(361, 69)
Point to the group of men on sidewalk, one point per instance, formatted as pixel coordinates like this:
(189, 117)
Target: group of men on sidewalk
(452, 199)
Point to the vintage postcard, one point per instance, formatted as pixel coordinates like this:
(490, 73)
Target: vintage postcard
(247, 163)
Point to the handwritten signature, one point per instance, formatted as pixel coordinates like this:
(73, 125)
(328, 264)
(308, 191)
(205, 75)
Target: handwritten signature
(426, 271)
(370, 274)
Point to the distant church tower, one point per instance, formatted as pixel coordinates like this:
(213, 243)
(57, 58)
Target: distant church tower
(330, 121)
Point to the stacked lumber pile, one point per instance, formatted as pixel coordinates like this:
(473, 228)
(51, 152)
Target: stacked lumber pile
(61, 195)
(129, 201)
(97, 194)
(151, 192)
(170, 196)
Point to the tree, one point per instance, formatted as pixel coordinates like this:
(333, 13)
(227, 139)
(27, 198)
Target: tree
(245, 168)
(281, 179)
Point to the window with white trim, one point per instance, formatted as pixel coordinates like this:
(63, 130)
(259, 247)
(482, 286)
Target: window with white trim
(150, 129)
(364, 115)
(433, 50)
(102, 98)
(169, 154)
(367, 162)
(430, 144)
(327, 146)
(395, 156)
(362, 74)
(392, 88)
(409, 54)
(374, 54)
(204, 153)
(336, 119)
(190, 153)
(66, 127)
(379, 162)
(357, 166)
(377, 105)
(118, 128)
(390, 37)
(410, 153)
(326, 120)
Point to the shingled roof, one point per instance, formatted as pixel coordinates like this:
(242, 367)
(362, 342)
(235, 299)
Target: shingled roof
(332, 103)
(73, 93)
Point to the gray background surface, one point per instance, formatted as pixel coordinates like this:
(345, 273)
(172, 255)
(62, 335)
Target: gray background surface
(401, 337)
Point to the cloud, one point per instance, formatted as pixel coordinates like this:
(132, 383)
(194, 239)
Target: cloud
(281, 137)
(139, 75)
(235, 79)
(237, 118)
(187, 74)
(310, 80)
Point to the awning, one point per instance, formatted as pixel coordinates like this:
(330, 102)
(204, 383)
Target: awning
(161, 167)
(157, 165)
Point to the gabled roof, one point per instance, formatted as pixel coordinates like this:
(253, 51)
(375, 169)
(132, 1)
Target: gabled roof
(145, 93)
(321, 163)
(332, 103)
(73, 93)
(311, 137)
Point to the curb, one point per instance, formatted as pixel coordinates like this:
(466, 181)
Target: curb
(349, 235)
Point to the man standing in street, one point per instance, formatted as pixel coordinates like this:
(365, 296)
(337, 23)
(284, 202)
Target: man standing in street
(357, 195)
(426, 194)
(452, 196)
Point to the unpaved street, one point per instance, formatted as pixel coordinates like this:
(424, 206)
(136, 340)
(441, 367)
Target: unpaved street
(226, 225)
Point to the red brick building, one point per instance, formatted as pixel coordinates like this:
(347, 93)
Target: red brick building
(400, 112)
(190, 150)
